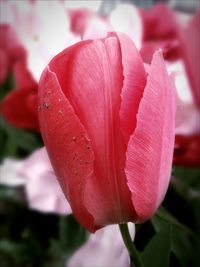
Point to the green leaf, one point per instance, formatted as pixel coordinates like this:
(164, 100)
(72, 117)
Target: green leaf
(15, 141)
(182, 239)
(8, 85)
(157, 251)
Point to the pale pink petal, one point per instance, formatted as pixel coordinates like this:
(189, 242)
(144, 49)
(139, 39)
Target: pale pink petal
(149, 153)
(42, 188)
(104, 248)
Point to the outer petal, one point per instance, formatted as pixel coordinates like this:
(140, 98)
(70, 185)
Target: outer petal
(90, 75)
(133, 85)
(68, 145)
(150, 149)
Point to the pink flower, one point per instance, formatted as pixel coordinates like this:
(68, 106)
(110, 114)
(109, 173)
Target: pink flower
(187, 141)
(79, 19)
(190, 43)
(108, 129)
(36, 174)
(160, 27)
(104, 248)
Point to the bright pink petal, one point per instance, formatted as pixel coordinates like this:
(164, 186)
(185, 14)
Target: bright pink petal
(90, 75)
(191, 54)
(150, 149)
(133, 85)
(68, 145)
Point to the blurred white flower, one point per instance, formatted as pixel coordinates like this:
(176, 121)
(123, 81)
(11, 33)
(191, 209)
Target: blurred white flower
(104, 248)
(126, 18)
(36, 174)
(10, 172)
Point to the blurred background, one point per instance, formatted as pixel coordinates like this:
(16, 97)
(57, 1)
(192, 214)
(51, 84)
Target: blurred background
(37, 227)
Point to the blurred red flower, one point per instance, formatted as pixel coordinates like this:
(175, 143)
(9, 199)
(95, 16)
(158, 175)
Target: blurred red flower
(19, 107)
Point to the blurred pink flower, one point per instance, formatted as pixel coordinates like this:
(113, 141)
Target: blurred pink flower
(42, 189)
(11, 51)
(160, 31)
(36, 174)
(79, 18)
(190, 45)
(187, 141)
(104, 248)
(187, 114)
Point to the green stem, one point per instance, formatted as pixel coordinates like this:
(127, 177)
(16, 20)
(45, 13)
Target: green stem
(134, 254)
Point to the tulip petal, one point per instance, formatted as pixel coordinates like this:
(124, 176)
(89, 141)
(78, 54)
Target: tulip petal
(68, 145)
(133, 85)
(149, 152)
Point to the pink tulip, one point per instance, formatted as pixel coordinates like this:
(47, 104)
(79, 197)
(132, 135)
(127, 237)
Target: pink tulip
(108, 129)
